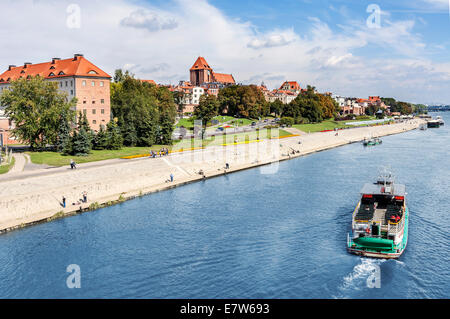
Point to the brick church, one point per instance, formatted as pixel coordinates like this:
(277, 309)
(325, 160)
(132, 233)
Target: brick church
(201, 74)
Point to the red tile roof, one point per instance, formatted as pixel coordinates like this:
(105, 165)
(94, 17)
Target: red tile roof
(224, 78)
(149, 81)
(77, 66)
(201, 64)
(293, 85)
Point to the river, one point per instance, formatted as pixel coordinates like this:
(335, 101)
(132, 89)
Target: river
(249, 235)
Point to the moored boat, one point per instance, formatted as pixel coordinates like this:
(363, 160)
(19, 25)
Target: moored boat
(440, 120)
(433, 124)
(380, 220)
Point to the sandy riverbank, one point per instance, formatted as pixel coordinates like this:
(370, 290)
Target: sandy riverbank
(37, 196)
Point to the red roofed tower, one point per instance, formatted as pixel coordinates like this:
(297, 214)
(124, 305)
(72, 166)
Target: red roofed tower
(201, 72)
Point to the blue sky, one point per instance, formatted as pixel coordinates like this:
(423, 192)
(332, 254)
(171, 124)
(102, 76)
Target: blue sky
(327, 44)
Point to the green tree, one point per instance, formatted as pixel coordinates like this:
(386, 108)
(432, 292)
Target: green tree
(243, 101)
(35, 106)
(81, 143)
(114, 137)
(288, 121)
(100, 139)
(276, 107)
(207, 108)
(328, 105)
(306, 105)
(140, 108)
(64, 144)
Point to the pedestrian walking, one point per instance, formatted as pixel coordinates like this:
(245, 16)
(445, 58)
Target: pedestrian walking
(85, 196)
(171, 177)
(73, 165)
(64, 202)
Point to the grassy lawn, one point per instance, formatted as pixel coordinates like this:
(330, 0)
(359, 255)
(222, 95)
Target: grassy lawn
(223, 119)
(5, 168)
(56, 159)
(327, 125)
(238, 137)
(188, 123)
(317, 127)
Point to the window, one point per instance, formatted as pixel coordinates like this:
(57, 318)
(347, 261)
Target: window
(71, 92)
(71, 83)
(61, 73)
(84, 102)
(102, 101)
(60, 84)
(94, 122)
(92, 83)
(93, 102)
(93, 111)
(102, 111)
(67, 83)
(51, 74)
(101, 83)
(83, 83)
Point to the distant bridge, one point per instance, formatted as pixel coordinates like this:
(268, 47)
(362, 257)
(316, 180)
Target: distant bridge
(438, 108)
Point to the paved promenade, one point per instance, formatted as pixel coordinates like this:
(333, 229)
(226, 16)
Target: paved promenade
(33, 195)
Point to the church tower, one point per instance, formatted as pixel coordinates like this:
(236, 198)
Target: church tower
(201, 72)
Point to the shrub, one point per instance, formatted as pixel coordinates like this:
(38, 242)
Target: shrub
(288, 121)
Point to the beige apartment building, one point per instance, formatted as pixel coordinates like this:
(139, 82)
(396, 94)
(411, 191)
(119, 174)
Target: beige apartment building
(77, 77)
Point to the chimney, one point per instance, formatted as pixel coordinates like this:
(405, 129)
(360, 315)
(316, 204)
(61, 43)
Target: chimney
(25, 64)
(55, 59)
(75, 57)
(10, 67)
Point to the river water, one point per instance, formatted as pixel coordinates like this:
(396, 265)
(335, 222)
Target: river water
(249, 235)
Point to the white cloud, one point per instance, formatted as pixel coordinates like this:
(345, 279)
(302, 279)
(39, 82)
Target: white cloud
(275, 38)
(334, 60)
(151, 21)
(438, 3)
(151, 47)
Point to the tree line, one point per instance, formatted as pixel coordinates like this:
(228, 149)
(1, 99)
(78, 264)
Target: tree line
(247, 101)
(145, 112)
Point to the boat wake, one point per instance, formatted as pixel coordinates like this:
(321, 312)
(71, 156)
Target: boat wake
(360, 278)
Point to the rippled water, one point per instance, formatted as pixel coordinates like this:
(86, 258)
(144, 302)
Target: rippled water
(248, 235)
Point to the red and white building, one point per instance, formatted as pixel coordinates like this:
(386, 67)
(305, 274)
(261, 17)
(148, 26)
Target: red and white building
(357, 106)
(287, 92)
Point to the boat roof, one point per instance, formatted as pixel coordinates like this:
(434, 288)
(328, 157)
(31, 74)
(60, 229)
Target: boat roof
(376, 189)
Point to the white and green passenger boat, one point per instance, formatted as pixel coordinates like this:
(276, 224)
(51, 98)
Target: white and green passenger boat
(380, 220)
(372, 142)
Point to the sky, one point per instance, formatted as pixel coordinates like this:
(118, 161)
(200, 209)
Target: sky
(352, 48)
